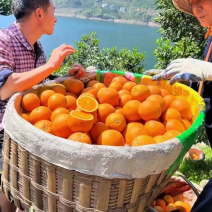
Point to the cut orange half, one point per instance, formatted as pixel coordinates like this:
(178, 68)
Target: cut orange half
(79, 121)
(87, 104)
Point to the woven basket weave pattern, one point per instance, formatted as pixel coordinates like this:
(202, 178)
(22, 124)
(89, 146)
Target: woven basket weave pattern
(33, 182)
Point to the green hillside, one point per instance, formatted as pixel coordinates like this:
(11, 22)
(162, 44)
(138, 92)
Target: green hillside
(131, 10)
(118, 4)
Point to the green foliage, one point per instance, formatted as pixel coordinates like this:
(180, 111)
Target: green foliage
(88, 53)
(196, 171)
(31, 209)
(5, 7)
(91, 3)
(202, 137)
(167, 51)
(147, 3)
(182, 35)
(139, 10)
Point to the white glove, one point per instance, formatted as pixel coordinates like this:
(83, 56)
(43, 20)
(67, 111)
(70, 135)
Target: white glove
(188, 70)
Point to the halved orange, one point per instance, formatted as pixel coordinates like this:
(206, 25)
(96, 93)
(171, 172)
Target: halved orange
(87, 104)
(79, 121)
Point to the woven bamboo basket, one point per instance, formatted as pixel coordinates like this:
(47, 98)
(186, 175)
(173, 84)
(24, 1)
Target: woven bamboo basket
(34, 181)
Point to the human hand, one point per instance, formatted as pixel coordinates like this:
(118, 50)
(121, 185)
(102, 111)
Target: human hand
(153, 72)
(77, 71)
(188, 70)
(58, 55)
(156, 73)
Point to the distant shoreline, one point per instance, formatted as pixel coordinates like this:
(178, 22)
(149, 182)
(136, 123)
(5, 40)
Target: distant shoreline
(123, 21)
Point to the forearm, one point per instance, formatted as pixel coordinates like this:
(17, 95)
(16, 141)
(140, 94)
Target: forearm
(18, 82)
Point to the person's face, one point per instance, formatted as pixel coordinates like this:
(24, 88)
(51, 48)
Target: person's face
(202, 9)
(48, 20)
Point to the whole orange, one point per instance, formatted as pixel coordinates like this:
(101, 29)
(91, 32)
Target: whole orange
(133, 130)
(174, 124)
(183, 107)
(171, 113)
(57, 100)
(170, 207)
(66, 83)
(168, 199)
(155, 128)
(161, 203)
(45, 126)
(40, 113)
(98, 86)
(186, 123)
(91, 90)
(116, 121)
(121, 80)
(119, 110)
(154, 90)
(80, 137)
(60, 126)
(75, 86)
(111, 138)
(121, 92)
(58, 111)
(97, 129)
(30, 101)
(131, 110)
(140, 92)
(44, 97)
(88, 94)
(169, 99)
(71, 94)
(164, 92)
(59, 88)
(149, 110)
(108, 95)
(103, 111)
(124, 99)
(71, 103)
(92, 83)
(158, 209)
(129, 86)
(116, 85)
(159, 99)
(160, 139)
(142, 140)
(25, 117)
(171, 134)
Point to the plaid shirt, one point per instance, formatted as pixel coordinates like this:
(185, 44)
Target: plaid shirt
(16, 55)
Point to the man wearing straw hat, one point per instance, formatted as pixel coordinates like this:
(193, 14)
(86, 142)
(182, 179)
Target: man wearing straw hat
(196, 71)
(22, 59)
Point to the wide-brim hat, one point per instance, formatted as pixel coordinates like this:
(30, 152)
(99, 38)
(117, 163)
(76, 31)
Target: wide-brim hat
(184, 6)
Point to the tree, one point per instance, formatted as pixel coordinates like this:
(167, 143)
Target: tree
(183, 36)
(88, 53)
(5, 7)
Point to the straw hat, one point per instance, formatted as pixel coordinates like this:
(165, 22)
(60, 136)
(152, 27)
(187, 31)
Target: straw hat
(184, 6)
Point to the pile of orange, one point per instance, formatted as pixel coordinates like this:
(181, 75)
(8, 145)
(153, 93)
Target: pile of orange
(124, 113)
(167, 203)
(195, 157)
